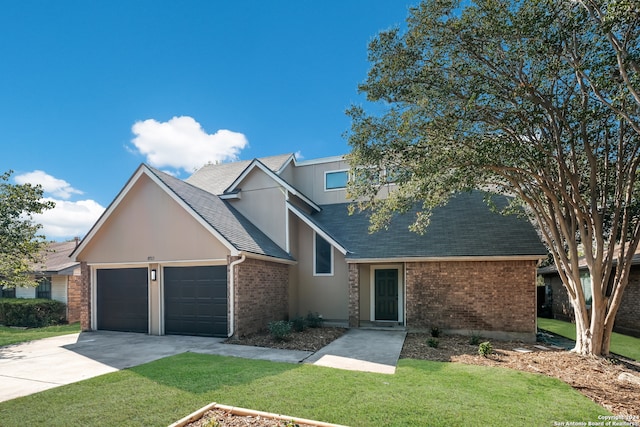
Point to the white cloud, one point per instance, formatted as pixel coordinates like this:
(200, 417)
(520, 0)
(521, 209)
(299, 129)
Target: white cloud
(181, 143)
(54, 186)
(69, 219)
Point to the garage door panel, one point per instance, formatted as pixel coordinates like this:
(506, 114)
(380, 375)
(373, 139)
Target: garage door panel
(122, 300)
(196, 300)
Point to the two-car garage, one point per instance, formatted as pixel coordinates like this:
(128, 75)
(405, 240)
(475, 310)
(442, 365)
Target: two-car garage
(193, 300)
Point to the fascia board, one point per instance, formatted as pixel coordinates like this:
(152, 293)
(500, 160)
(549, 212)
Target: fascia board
(317, 229)
(444, 259)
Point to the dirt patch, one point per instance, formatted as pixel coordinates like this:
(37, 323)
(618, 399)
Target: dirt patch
(311, 339)
(222, 418)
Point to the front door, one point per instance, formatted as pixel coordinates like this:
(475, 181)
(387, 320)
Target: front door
(386, 289)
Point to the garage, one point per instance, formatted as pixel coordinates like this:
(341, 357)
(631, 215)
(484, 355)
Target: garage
(195, 300)
(123, 300)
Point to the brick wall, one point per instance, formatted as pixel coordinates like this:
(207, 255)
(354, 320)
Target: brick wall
(472, 296)
(85, 297)
(74, 298)
(261, 295)
(354, 295)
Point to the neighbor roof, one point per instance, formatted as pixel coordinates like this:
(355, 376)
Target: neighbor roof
(56, 258)
(464, 227)
(216, 178)
(223, 217)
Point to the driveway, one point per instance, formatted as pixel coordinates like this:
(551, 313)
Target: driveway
(35, 366)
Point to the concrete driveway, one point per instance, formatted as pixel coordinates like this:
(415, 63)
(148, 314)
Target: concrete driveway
(35, 366)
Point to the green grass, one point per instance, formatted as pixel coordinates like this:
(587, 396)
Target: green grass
(420, 393)
(623, 345)
(17, 335)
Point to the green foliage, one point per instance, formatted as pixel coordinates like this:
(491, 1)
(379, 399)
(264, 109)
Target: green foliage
(289, 423)
(538, 99)
(435, 332)
(433, 342)
(298, 323)
(280, 330)
(485, 349)
(31, 313)
(20, 245)
(314, 320)
(10, 335)
(475, 339)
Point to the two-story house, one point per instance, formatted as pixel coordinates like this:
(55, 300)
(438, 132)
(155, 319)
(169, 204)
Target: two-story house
(237, 245)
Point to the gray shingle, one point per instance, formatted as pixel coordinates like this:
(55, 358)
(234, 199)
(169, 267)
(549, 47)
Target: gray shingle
(225, 219)
(464, 227)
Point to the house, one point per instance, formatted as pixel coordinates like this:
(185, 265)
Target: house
(237, 245)
(59, 279)
(628, 317)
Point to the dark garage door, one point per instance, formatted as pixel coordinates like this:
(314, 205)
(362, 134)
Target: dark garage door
(195, 300)
(123, 301)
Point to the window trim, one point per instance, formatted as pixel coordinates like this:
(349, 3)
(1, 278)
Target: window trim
(315, 257)
(45, 280)
(326, 173)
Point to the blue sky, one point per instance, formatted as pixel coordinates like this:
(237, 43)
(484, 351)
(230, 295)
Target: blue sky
(91, 89)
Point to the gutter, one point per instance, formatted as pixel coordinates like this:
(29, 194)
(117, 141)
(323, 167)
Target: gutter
(232, 299)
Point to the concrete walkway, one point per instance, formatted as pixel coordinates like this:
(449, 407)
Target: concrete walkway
(362, 350)
(35, 366)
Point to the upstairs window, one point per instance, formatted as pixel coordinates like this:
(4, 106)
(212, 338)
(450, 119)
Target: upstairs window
(336, 180)
(322, 256)
(44, 288)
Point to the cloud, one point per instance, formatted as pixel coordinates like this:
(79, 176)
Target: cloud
(181, 143)
(54, 186)
(69, 219)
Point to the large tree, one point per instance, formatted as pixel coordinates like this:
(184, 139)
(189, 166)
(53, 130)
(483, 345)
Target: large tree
(537, 99)
(21, 247)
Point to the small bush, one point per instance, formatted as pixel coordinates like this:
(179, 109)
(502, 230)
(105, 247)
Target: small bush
(435, 332)
(475, 339)
(485, 349)
(31, 313)
(280, 330)
(298, 323)
(314, 320)
(432, 342)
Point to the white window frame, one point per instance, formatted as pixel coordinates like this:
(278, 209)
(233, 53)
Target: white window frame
(335, 171)
(331, 257)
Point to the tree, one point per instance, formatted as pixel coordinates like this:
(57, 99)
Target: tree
(20, 245)
(537, 99)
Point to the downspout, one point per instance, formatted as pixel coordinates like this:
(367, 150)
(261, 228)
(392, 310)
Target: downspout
(232, 296)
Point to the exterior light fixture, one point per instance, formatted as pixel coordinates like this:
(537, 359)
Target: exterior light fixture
(153, 275)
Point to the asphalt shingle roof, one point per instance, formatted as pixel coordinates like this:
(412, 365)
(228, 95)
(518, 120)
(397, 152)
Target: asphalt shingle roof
(224, 218)
(217, 178)
(464, 227)
(56, 258)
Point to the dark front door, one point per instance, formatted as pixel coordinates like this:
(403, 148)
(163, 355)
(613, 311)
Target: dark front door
(386, 284)
(195, 300)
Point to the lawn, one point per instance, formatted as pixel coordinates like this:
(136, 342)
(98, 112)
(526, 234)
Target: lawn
(420, 393)
(623, 345)
(16, 335)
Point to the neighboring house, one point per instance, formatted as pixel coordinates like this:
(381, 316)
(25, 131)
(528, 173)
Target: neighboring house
(628, 316)
(240, 244)
(59, 279)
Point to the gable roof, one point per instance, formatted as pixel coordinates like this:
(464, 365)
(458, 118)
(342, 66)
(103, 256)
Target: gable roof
(464, 227)
(56, 259)
(217, 178)
(232, 229)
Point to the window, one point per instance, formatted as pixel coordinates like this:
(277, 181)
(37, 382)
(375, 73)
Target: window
(44, 288)
(336, 180)
(323, 257)
(7, 292)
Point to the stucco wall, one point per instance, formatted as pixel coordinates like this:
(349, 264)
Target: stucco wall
(473, 296)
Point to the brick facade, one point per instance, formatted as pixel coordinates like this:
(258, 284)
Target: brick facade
(74, 298)
(261, 294)
(354, 295)
(85, 297)
(472, 296)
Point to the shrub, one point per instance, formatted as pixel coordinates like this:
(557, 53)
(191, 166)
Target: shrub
(485, 349)
(31, 313)
(280, 330)
(432, 342)
(475, 339)
(298, 323)
(435, 332)
(314, 320)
